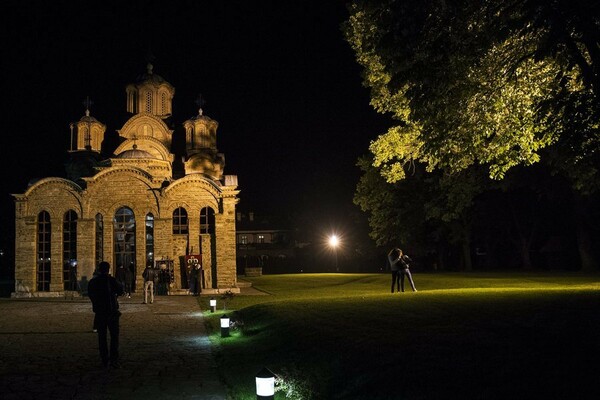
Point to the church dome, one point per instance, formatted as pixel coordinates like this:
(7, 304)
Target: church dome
(150, 77)
(88, 118)
(135, 153)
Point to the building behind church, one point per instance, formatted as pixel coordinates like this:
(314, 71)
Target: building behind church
(137, 204)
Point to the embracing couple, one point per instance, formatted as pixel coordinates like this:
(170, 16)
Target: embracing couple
(400, 268)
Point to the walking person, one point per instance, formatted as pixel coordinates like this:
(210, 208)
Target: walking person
(150, 275)
(103, 291)
(403, 260)
(394, 260)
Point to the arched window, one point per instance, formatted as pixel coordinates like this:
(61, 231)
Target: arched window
(70, 250)
(44, 236)
(149, 239)
(124, 238)
(180, 221)
(149, 102)
(207, 220)
(99, 248)
(163, 103)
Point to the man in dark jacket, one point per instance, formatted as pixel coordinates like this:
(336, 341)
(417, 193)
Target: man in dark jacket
(103, 291)
(394, 260)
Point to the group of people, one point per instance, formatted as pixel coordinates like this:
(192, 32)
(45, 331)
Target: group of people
(400, 267)
(104, 290)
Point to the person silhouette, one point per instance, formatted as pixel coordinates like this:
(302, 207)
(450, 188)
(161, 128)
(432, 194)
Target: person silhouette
(150, 275)
(394, 260)
(403, 260)
(103, 291)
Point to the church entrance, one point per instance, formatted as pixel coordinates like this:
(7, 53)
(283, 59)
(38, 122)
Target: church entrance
(124, 239)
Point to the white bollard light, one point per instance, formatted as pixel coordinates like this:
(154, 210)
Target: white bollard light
(224, 326)
(265, 385)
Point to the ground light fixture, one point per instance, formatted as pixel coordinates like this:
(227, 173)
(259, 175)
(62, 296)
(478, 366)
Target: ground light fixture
(265, 385)
(224, 326)
(213, 304)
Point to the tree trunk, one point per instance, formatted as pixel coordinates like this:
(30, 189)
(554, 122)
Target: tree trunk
(466, 255)
(589, 263)
(526, 256)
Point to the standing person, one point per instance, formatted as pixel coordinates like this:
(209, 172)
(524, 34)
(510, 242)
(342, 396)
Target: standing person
(405, 270)
(394, 260)
(150, 276)
(121, 276)
(94, 326)
(103, 291)
(195, 280)
(128, 281)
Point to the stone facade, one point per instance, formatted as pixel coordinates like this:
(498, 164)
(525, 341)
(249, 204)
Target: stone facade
(132, 206)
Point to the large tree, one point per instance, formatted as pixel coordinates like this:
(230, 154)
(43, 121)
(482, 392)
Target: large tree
(425, 212)
(499, 83)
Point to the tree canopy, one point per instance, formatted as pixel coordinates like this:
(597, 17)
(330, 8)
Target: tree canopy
(499, 83)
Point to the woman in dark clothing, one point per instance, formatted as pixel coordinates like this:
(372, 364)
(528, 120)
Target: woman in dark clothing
(405, 271)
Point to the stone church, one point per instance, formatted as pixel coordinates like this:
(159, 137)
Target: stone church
(139, 200)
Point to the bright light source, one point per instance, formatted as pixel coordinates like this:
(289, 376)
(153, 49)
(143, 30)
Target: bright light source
(334, 241)
(265, 384)
(224, 326)
(213, 305)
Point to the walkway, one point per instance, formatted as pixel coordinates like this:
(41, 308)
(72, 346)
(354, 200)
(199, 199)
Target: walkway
(48, 351)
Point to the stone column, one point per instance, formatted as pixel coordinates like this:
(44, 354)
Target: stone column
(225, 246)
(207, 264)
(25, 255)
(86, 246)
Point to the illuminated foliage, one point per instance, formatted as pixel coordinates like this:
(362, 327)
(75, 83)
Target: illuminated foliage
(494, 82)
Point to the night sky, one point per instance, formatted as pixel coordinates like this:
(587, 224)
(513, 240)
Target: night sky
(278, 76)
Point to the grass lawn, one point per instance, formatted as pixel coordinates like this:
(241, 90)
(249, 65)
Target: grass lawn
(469, 336)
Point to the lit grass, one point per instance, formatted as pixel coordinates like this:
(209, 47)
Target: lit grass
(344, 336)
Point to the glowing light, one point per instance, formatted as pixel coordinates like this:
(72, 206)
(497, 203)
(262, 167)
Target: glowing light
(334, 241)
(213, 305)
(224, 326)
(265, 384)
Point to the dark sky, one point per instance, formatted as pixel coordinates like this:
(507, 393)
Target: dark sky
(277, 76)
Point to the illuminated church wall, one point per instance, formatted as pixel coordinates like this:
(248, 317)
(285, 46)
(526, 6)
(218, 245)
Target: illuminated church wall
(130, 206)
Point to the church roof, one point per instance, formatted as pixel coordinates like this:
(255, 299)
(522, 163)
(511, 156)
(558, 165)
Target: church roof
(150, 77)
(135, 153)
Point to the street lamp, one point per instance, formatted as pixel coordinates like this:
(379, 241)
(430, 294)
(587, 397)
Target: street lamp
(334, 242)
(213, 304)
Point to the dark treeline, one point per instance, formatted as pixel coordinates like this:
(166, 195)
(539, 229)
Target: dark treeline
(529, 220)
